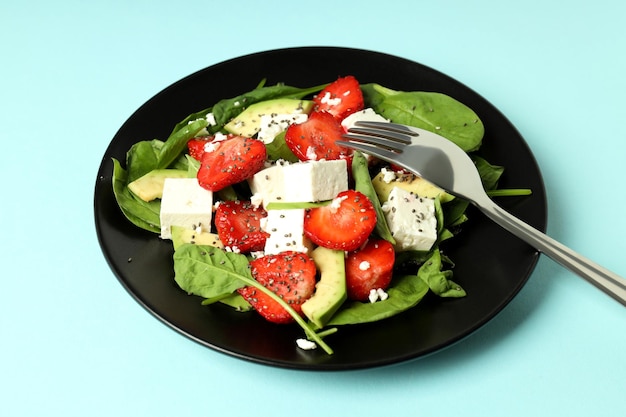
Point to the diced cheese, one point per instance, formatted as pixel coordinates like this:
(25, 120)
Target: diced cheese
(286, 231)
(308, 181)
(315, 180)
(268, 184)
(367, 114)
(273, 124)
(186, 204)
(411, 219)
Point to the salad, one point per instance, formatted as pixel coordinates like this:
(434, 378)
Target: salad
(268, 215)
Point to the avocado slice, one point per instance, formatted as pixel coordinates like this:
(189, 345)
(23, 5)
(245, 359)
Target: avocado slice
(248, 123)
(182, 235)
(150, 186)
(330, 291)
(409, 182)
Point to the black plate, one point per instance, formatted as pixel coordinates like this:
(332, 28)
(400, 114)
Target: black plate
(490, 264)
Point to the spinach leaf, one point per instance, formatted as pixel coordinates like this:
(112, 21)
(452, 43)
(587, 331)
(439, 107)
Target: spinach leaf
(142, 214)
(435, 112)
(233, 300)
(363, 184)
(176, 143)
(489, 174)
(207, 272)
(438, 280)
(142, 157)
(278, 149)
(406, 292)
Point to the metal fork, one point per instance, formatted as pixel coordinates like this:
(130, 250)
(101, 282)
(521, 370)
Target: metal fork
(447, 166)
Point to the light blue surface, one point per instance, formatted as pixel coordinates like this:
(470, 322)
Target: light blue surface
(74, 343)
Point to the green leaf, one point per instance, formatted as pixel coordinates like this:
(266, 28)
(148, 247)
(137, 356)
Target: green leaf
(363, 184)
(406, 292)
(489, 174)
(278, 149)
(437, 280)
(142, 158)
(176, 143)
(142, 214)
(209, 272)
(435, 112)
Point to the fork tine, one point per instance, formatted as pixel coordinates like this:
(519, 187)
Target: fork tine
(389, 135)
(388, 127)
(362, 137)
(369, 149)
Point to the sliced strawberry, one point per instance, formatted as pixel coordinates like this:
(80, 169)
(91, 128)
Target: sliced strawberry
(196, 146)
(291, 275)
(315, 138)
(369, 268)
(340, 98)
(345, 224)
(238, 224)
(230, 161)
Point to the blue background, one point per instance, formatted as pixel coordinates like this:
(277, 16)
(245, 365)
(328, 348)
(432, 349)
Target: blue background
(74, 343)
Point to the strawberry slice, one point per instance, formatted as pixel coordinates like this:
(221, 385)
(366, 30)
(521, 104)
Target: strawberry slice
(238, 224)
(196, 146)
(230, 161)
(291, 275)
(345, 224)
(315, 138)
(369, 268)
(340, 98)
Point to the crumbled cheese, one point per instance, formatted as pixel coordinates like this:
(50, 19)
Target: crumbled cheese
(273, 124)
(210, 118)
(306, 344)
(256, 199)
(377, 294)
(388, 175)
(327, 99)
(233, 249)
(310, 153)
(336, 203)
(382, 295)
(364, 266)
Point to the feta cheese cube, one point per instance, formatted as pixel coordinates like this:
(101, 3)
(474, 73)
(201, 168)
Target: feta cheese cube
(185, 203)
(315, 180)
(286, 231)
(411, 219)
(308, 181)
(367, 114)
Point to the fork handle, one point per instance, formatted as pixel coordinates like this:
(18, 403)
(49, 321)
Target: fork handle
(607, 281)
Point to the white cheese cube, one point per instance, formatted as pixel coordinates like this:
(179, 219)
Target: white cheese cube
(411, 219)
(367, 114)
(185, 203)
(273, 124)
(268, 185)
(286, 231)
(315, 180)
(300, 182)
